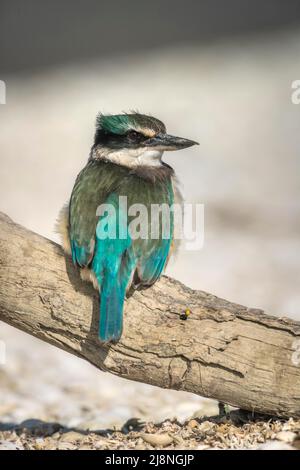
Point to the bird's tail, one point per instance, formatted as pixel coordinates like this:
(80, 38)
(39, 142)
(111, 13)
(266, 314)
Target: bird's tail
(111, 308)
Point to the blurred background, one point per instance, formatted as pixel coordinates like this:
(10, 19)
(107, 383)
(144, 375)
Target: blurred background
(217, 72)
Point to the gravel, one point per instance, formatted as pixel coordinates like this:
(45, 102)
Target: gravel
(226, 432)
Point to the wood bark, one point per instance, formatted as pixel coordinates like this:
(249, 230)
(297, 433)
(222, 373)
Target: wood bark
(234, 354)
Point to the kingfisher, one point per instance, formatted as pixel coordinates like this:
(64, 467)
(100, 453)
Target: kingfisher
(125, 162)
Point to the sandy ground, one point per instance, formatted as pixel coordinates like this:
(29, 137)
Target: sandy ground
(235, 98)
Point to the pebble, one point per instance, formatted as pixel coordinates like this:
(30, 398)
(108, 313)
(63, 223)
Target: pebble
(66, 446)
(72, 437)
(286, 436)
(193, 424)
(206, 427)
(275, 445)
(158, 440)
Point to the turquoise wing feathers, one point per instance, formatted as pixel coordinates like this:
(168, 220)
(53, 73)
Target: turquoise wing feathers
(93, 185)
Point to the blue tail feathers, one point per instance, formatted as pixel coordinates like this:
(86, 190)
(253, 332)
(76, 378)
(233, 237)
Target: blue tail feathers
(111, 308)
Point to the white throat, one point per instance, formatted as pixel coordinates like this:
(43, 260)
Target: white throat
(130, 157)
(150, 158)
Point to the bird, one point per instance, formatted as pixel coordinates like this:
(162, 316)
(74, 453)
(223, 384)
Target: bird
(125, 161)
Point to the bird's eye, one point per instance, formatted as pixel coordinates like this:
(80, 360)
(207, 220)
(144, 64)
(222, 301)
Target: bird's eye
(134, 136)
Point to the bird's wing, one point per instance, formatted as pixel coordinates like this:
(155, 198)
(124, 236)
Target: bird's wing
(92, 188)
(151, 253)
(151, 265)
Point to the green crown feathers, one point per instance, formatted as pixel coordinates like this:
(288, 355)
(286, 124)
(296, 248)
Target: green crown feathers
(122, 123)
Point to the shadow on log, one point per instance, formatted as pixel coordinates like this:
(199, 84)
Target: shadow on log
(224, 351)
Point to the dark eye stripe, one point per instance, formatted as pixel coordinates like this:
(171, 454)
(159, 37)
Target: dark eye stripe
(135, 136)
(116, 141)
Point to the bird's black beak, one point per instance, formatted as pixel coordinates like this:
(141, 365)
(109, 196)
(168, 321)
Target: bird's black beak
(169, 142)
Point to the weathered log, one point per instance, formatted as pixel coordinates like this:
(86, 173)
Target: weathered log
(224, 351)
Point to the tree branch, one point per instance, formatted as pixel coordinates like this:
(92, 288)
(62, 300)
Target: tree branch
(224, 351)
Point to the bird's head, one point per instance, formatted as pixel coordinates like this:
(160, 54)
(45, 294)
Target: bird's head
(134, 139)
